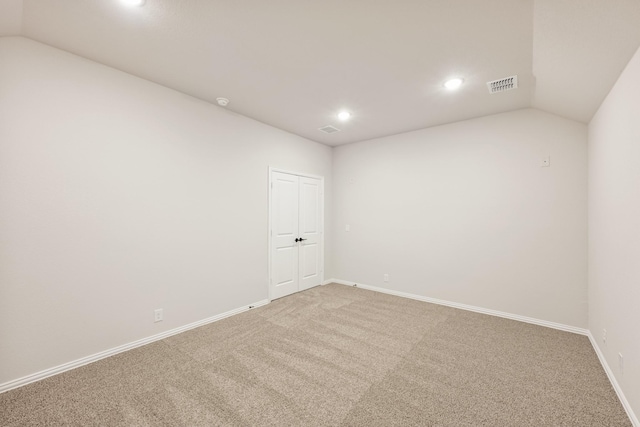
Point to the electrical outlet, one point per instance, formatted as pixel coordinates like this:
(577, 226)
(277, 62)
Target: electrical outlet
(604, 336)
(621, 363)
(545, 162)
(157, 315)
(386, 277)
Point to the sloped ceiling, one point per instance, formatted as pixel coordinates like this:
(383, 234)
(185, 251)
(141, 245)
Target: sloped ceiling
(580, 47)
(294, 64)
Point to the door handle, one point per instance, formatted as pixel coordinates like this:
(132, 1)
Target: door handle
(299, 239)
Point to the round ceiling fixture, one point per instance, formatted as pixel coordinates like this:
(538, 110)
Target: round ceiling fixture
(454, 83)
(344, 115)
(223, 102)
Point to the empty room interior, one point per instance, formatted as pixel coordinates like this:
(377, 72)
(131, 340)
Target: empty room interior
(356, 213)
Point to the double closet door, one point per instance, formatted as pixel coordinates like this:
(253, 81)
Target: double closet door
(296, 233)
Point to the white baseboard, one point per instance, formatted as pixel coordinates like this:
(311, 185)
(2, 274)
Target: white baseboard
(113, 351)
(614, 382)
(497, 313)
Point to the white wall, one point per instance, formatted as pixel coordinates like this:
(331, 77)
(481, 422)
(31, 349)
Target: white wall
(614, 229)
(10, 17)
(119, 196)
(464, 213)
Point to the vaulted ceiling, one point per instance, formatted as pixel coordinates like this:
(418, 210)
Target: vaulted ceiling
(294, 64)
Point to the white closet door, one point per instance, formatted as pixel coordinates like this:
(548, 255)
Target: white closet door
(296, 233)
(310, 229)
(284, 231)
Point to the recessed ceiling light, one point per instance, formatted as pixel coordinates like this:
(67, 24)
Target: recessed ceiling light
(133, 3)
(223, 102)
(452, 84)
(344, 115)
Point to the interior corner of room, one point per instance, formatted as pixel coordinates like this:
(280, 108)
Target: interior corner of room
(132, 209)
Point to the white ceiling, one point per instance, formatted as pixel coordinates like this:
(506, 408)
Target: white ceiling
(294, 64)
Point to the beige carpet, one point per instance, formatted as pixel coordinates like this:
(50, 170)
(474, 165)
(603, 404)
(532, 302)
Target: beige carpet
(336, 355)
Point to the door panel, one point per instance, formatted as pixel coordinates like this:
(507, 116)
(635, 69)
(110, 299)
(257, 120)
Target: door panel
(309, 260)
(311, 230)
(285, 271)
(310, 274)
(284, 249)
(309, 199)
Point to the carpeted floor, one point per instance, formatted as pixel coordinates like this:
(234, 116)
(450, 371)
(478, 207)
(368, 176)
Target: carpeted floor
(335, 355)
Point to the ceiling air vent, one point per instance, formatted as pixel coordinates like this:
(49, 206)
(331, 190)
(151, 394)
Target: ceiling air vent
(503, 85)
(329, 129)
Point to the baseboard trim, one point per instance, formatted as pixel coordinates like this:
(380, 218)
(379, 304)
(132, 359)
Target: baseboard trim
(614, 382)
(122, 348)
(466, 307)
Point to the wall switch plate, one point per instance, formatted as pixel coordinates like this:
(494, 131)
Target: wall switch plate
(604, 336)
(157, 315)
(546, 162)
(386, 277)
(347, 227)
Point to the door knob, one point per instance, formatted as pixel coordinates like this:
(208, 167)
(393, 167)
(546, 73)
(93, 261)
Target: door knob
(297, 240)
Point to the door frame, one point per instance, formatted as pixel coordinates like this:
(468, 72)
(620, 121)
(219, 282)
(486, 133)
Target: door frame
(269, 229)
